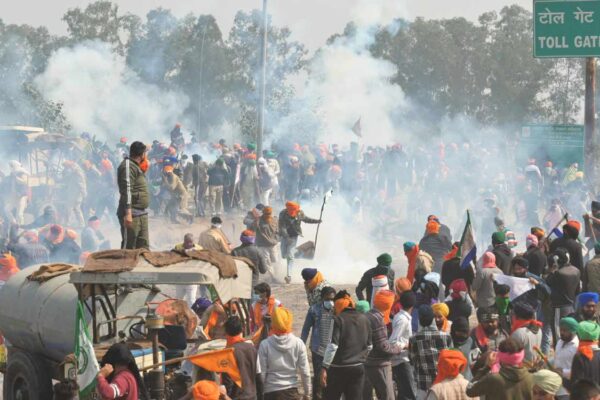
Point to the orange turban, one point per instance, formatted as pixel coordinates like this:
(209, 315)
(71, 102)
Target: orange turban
(292, 208)
(450, 364)
(206, 390)
(168, 168)
(401, 285)
(432, 227)
(343, 303)
(383, 301)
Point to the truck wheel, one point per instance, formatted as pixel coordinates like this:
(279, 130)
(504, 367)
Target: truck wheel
(26, 378)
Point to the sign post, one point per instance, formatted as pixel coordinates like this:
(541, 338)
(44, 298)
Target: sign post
(572, 29)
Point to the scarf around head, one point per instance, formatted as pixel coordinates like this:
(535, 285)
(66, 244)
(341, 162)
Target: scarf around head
(401, 285)
(343, 303)
(314, 282)
(383, 302)
(206, 390)
(292, 208)
(282, 321)
(586, 347)
(444, 311)
(507, 359)
(450, 364)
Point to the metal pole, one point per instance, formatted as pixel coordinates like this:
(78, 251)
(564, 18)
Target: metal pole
(200, 82)
(263, 83)
(590, 118)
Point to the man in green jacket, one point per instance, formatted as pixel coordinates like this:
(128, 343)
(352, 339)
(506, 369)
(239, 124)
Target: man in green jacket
(133, 198)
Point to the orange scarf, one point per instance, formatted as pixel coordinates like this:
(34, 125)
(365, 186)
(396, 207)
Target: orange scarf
(519, 323)
(258, 316)
(412, 262)
(445, 326)
(292, 208)
(314, 282)
(585, 348)
(343, 303)
(231, 340)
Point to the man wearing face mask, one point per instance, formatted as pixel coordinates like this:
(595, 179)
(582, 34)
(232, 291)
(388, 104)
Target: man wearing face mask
(319, 320)
(133, 198)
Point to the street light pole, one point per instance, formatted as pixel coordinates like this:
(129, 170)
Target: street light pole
(263, 83)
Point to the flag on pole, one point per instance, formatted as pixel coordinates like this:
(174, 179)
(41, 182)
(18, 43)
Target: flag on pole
(467, 250)
(357, 128)
(219, 361)
(87, 365)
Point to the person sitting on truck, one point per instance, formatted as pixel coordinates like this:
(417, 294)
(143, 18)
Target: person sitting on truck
(214, 238)
(119, 378)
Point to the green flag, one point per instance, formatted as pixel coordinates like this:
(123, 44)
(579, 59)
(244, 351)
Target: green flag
(87, 365)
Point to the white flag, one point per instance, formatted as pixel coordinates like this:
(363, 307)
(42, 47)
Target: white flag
(87, 365)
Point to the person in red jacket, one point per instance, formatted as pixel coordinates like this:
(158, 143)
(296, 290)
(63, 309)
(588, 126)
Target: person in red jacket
(120, 377)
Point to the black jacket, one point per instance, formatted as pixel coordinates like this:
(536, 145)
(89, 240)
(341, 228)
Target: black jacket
(452, 271)
(365, 281)
(251, 252)
(352, 335)
(218, 176)
(292, 227)
(503, 257)
(564, 286)
(537, 260)
(573, 247)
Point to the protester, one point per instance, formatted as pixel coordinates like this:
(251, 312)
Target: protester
(134, 199)
(587, 304)
(218, 179)
(488, 335)
(319, 324)
(249, 250)
(92, 238)
(564, 282)
(282, 357)
(535, 256)
(441, 312)
(246, 358)
(119, 377)
(401, 333)
(424, 348)
(66, 390)
(418, 260)
(570, 243)
(501, 251)
(343, 370)
(526, 329)
(61, 244)
(451, 270)
(546, 385)
(504, 306)
(483, 284)
(464, 342)
(435, 244)
(267, 237)
(566, 348)
(314, 282)
(384, 262)
(290, 227)
(512, 382)
(585, 389)
(214, 238)
(378, 366)
(459, 303)
(450, 384)
(586, 362)
(264, 307)
(591, 274)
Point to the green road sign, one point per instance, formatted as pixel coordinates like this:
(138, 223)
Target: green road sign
(566, 28)
(561, 144)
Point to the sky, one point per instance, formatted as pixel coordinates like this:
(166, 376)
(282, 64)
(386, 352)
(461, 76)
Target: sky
(311, 21)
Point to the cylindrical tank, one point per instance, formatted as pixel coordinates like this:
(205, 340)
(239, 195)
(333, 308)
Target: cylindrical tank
(39, 318)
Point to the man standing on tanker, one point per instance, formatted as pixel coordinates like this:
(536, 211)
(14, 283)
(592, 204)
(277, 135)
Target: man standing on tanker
(133, 198)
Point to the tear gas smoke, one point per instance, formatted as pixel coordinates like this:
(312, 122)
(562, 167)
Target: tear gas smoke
(101, 95)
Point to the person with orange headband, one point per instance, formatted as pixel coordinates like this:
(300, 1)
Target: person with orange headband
(345, 356)
(450, 384)
(513, 382)
(378, 366)
(282, 356)
(435, 244)
(290, 227)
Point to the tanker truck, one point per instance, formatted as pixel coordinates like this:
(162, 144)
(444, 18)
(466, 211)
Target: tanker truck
(37, 320)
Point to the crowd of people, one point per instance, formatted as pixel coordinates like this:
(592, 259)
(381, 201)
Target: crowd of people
(519, 322)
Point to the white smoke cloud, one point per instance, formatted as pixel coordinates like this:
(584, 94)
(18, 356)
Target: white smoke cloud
(347, 83)
(101, 95)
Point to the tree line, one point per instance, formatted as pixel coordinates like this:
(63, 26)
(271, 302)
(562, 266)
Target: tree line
(448, 67)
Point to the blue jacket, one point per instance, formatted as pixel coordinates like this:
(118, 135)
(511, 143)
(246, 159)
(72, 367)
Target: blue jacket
(320, 321)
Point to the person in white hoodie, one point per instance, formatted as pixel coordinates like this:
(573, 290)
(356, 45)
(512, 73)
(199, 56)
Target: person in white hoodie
(281, 357)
